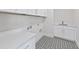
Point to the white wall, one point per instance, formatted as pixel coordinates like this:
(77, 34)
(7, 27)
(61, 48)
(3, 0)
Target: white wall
(76, 17)
(65, 15)
(76, 22)
(10, 21)
(55, 17)
(48, 24)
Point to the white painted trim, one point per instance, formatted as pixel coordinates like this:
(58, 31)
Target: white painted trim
(77, 43)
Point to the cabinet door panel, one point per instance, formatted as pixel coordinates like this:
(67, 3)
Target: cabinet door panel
(70, 34)
(58, 32)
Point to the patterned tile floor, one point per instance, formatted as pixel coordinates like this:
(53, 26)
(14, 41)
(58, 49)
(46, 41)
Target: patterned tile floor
(55, 43)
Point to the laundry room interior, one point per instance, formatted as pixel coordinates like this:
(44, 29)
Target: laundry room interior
(39, 28)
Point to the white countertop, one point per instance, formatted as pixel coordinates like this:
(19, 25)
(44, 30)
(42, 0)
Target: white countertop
(67, 26)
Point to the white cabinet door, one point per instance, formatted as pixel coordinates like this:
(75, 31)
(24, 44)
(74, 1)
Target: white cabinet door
(70, 34)
(58, 31)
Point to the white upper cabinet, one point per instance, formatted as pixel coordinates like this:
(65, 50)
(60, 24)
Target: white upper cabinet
(36, 12)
